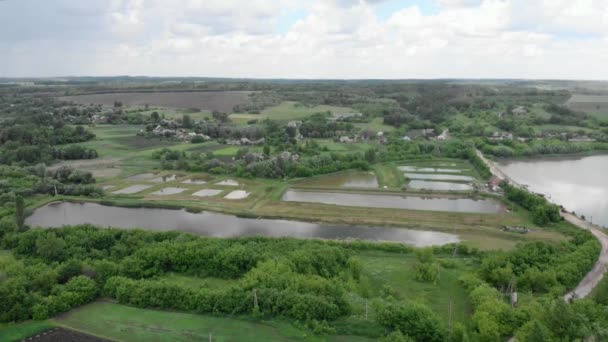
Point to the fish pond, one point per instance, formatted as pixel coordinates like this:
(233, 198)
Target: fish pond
(59, 214)
(463, 205)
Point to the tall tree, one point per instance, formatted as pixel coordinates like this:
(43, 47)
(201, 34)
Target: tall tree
(20, 212)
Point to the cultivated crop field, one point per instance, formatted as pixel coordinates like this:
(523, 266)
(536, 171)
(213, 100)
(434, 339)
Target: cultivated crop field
(212, 101)
(596, 105)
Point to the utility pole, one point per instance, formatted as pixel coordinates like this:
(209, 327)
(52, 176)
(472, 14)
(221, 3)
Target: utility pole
(210, 337)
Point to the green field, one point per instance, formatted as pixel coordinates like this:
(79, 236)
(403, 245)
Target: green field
(289, 111)
(21, 331)
(126, 323)
(396, 271)
(596, 105)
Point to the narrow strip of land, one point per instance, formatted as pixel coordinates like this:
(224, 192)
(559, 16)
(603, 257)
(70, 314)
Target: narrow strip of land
(592, 279)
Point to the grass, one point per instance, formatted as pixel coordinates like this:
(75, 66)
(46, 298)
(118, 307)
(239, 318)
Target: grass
(124, 323)
(396, 271)
(21, 331)
(389, 176)
(289, 110)
(376, 125)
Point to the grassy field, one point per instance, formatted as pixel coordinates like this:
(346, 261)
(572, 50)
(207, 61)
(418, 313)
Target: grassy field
(396, 271)
(289, 111)
(375, 125)
(223, 101)
(125, 323)
(596, 105)
(21, 331)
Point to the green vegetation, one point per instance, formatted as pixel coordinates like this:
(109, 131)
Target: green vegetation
(21, 331)
(283, 289)
(122, 322)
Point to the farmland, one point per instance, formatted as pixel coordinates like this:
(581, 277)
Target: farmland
(596, 105)
(211, 101)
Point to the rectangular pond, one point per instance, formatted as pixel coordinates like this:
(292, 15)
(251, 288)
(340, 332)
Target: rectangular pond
(431, 176)
(59, 214)
(463, 205)
(133, 189)
(169, 191)
(366, 180)
(438, 186)
(142, 176)
(428, 169)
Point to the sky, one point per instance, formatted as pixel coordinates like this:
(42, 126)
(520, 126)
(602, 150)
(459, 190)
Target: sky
(326, 39)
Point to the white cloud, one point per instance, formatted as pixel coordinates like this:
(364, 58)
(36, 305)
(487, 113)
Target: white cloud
(336, 39)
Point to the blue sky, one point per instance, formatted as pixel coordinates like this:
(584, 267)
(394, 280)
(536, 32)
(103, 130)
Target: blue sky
(553, 39)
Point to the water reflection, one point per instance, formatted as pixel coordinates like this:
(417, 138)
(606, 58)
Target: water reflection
(465, 205)
(344, 180)
(579, 184)
(219, 225)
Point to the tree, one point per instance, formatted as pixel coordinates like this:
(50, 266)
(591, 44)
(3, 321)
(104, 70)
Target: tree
(534, 331)
(20, 212)
(420, 322)
(187, 121)
(426, 269)
(50, 247)
(220, 117)
(155, 117)
(370, 155)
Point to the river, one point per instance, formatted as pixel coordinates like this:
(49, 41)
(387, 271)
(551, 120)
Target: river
(580, 184)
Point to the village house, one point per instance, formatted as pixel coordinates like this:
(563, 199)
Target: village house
(497, 136)
(494, 184)
(246, 141)
(346, 140)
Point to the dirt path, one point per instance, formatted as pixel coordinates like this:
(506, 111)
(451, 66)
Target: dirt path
(590, 281)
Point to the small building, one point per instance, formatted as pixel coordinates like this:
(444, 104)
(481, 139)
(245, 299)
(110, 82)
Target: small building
(346, 140)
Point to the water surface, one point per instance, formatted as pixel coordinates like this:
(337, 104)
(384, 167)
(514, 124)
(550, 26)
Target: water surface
(344, 180)
(169, 191)
(142, 176)
(133, 189)
(428, 169)
(439, 186)
(438, 177)
(579, 184)
(464, 205)
(219, 225)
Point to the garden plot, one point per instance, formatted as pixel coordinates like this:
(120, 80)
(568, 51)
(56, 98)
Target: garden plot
(207, 192)
(237, 194)
(169, 191)
(133, 189)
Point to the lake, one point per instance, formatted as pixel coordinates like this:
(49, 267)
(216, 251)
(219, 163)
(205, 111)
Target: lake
(580, 184)
(219, 225)
(463, 205)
